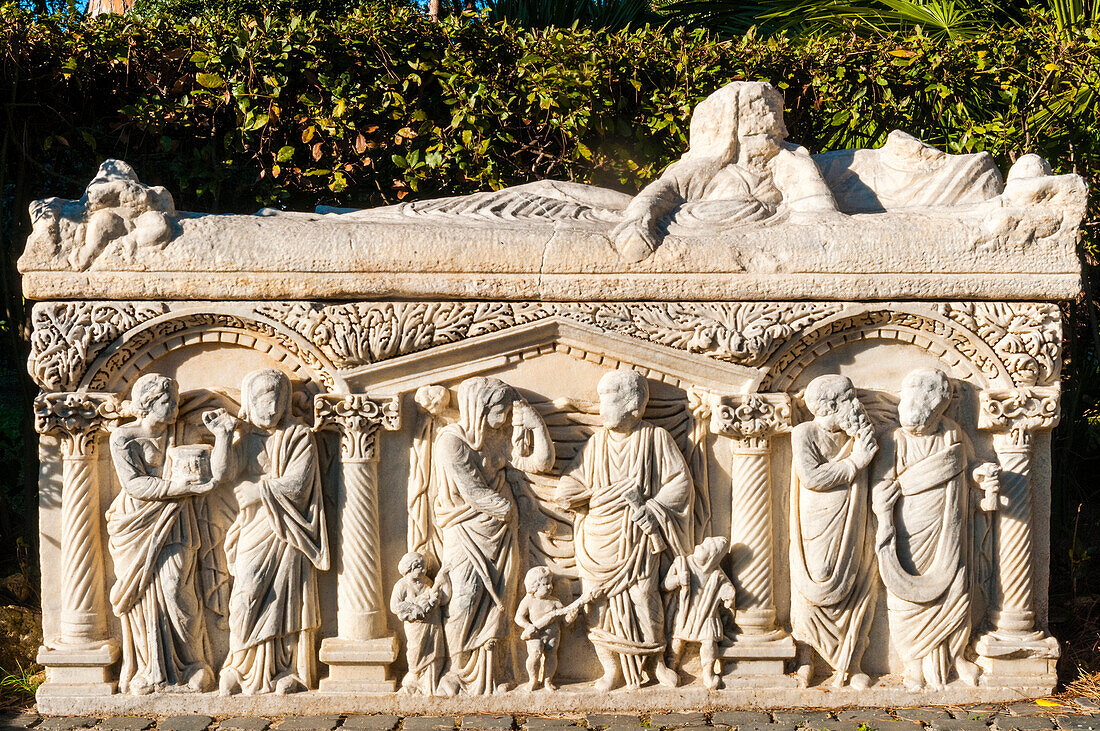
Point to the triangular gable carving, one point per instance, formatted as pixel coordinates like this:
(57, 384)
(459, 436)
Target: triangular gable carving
(495, 350)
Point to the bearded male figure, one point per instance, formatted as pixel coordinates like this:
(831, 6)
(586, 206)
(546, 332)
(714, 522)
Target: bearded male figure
(832, 555)
(922, 500)
(631, 494)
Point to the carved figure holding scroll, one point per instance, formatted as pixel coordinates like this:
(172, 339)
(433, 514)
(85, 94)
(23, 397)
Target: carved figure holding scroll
(154, 543)
(417, 603)
(699, 589)
(832, 552)
(276, 545)
(924, 505)
(540, 614)
(631, 493)
(739, 168)
(475, 516)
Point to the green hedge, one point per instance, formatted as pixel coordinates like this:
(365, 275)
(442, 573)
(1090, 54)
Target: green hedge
(383, 105)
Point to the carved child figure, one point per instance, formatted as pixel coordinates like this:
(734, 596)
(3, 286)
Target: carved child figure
(700, 589)
(417, 603)
(539, 615)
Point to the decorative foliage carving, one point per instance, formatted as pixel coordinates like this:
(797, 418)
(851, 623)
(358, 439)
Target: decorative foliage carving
(357, 334)
(69, 335)
(752, 417)
(1018, 412)
(358, 418)
(1026, 335)
(77, 416)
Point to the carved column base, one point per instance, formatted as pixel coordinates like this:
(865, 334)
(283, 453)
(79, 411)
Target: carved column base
(80, 671)
(358, 666)
(760, 654)
(1013, 646)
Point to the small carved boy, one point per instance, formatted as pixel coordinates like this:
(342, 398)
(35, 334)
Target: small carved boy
(416, 603)
(703, 589)
(538, 614)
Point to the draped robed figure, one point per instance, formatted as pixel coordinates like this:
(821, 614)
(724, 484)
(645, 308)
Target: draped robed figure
(275, 547)
(475, 517)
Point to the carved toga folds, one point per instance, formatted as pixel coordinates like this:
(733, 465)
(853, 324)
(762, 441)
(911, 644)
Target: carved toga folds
(923, 551)
(274, 548)
(613, 553)
(832, 555)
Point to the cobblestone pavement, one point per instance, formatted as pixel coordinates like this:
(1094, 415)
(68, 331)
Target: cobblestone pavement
(1082, 715)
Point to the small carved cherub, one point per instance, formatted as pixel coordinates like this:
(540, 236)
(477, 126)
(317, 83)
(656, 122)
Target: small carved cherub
(416, 602)
(539, 615)
(702, 589)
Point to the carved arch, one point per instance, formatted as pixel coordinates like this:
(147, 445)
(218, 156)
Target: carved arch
(959, 348)
(136, 348)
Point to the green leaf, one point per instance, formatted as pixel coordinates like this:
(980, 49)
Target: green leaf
(210, 81)
(285, 153)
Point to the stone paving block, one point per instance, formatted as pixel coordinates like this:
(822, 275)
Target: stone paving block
(831, 724)
(1078, 722)
(18, 720)
(1022, 723)
(863, 715)
(607, 720)
(926, 715)
(802, 718)
(1087, 703)
(486, 722)
(767, 727)
(67, 723)
(538, 723)
(882, 724)
(428, 723)
(185, 723)
(677, 720)
(375, 722)
(984, 712)
(959, 724)
(309, 723)
(125, 723)
(741, 719)
(1027, 708)
(244, 723)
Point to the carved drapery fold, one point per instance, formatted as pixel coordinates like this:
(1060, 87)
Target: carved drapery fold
(1013, 416)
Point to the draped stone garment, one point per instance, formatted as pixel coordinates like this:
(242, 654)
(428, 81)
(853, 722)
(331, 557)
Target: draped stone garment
(424, 647)
(923, 562)
(832, 552)
(274, 549)
(614, 554)
(697, 605)
(154, 543)
(478, 549)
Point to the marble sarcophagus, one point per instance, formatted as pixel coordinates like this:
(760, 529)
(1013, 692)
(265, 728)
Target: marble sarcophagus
(773, 431)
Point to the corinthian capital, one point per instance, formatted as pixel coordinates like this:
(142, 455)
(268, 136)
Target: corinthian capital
(358, 418)
(1015, 413)
(77, 416)
(751, 417)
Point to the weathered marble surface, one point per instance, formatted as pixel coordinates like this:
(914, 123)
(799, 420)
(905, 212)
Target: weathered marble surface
(774, 431)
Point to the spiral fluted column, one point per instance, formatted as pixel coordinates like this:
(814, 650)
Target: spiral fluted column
(360, 654)
(1014, 416)
(78, 658)
(750, 421)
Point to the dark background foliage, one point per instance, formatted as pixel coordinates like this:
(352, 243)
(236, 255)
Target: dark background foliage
(360, 105)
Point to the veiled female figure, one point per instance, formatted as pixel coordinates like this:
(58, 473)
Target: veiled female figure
(154, 543)
(475, 515)
(276, 545)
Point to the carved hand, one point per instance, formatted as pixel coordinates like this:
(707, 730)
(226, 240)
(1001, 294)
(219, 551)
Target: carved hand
(645, 520)
(219, 422)
(865, 448)
(528, 633)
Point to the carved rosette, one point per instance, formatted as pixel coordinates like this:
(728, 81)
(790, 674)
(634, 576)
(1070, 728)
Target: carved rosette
(358, 419)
